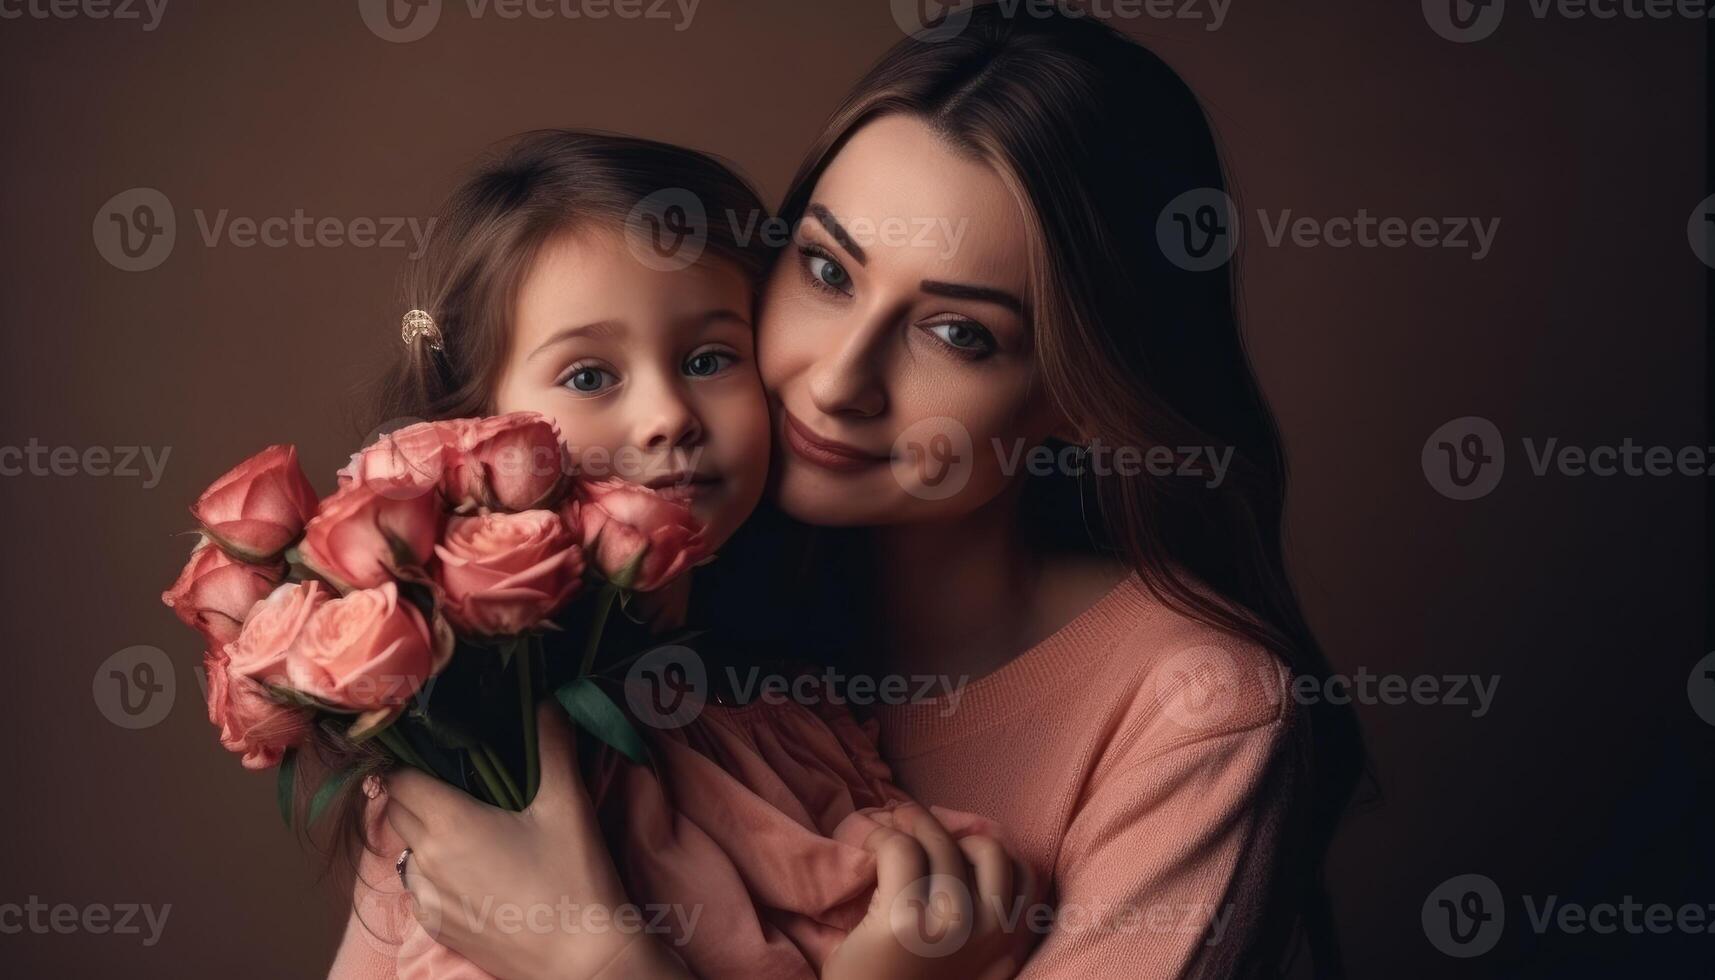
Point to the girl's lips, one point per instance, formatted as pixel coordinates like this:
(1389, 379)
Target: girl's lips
(825, 453)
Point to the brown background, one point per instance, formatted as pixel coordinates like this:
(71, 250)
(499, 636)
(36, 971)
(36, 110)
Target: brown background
(1589, 779)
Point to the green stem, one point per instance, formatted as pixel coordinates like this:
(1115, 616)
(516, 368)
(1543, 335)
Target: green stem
(490, 779)
(400, 748)
(604, 606)
(506, 780)
(527, 708)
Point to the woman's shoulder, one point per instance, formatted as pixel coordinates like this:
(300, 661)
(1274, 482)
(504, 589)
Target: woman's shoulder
(1170, 679)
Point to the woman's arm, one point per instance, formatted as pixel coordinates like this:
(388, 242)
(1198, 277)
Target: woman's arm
(513, 892)
(1165, 868)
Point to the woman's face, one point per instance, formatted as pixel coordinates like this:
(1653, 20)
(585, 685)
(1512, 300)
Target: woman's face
(895, 337)
(650, 374)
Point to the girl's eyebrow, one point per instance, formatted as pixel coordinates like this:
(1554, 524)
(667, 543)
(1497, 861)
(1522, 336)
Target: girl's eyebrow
(601, 329)
(598, 329)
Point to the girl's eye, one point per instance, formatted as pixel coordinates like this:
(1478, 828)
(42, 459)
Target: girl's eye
(826, 273)
(708, 363)
(964, 336)
(588, 380)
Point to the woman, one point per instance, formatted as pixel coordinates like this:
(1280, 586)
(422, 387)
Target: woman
(1131, 629)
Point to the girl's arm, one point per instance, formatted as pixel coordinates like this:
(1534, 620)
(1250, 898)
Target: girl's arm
(494, 886)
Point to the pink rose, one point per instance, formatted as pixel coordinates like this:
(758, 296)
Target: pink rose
(363, 651)
(512, 462)
(214, 592)
(259, 507)
(251, 723)
(361, 539)
(272, 628)
(405, 463)
(637, 538)
(504, 573)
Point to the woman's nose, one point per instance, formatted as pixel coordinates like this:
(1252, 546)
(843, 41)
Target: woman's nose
(850, 378)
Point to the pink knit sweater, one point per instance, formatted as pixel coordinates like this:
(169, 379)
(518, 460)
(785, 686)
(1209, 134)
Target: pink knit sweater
(1142, 761)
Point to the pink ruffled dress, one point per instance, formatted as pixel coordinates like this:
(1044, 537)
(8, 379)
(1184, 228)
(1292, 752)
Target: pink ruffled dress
(755, 827)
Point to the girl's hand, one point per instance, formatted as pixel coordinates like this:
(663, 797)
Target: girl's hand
(942, 907)
(522, 895)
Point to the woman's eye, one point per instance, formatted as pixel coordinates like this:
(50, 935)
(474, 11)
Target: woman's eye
(828, 273)
(707, 363)
(587, 380)
(964, 336)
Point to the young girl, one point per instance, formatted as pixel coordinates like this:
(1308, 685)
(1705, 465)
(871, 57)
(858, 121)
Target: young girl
(573, 278)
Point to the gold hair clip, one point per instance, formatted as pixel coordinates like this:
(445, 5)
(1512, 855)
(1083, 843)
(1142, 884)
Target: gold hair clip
(418, 323)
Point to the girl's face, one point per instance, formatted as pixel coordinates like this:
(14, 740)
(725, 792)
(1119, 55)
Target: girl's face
(650, 374)
(895, 339)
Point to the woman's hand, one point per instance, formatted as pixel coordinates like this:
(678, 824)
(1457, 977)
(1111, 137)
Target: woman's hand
(522, 895)
(942, 907)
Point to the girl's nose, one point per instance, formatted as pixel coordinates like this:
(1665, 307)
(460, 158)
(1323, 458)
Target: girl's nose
(668, 422)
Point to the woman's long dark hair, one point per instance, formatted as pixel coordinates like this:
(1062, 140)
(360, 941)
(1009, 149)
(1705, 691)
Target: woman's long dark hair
(1096, 135)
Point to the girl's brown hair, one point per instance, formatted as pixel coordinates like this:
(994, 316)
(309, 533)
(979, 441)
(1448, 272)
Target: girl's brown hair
(1096, 136)
(486, 236)
(483, 241)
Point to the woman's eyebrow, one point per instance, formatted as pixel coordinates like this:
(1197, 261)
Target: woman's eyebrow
(832, 224)
(959, 290)
(598, 329)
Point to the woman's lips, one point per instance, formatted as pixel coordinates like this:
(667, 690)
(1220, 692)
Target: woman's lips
(826, 453)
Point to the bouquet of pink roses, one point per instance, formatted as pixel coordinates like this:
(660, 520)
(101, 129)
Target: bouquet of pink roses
(451, 551)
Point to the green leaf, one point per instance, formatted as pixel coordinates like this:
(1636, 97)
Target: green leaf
(326, 793)
(593, 711)
(284, 783)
